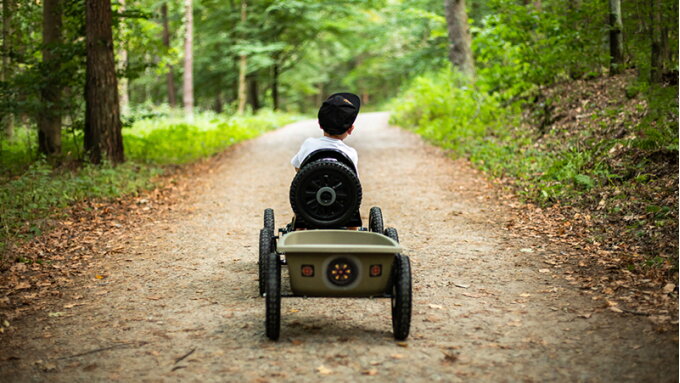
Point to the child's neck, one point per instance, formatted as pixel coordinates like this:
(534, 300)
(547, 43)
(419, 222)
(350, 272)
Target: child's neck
(340, 137)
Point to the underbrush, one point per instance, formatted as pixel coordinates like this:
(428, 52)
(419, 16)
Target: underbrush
(34, 192)
(42, 193)
(607, 146)
(173, 140)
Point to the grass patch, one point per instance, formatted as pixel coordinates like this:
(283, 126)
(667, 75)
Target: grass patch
(32, 191)
(172, 140)
(557, 162)
(42, 193)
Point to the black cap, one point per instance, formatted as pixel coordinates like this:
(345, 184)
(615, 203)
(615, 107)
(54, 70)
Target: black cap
(338, 112)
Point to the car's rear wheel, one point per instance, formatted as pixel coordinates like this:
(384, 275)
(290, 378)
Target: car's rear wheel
(273, 297)
(392, 233)
(401, 297)
(375, 220)
(269, 219)
(266, 241)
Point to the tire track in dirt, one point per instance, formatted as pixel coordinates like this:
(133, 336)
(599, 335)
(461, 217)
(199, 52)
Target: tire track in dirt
(180, 303)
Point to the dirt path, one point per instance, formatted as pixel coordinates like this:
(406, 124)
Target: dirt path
(180, 302)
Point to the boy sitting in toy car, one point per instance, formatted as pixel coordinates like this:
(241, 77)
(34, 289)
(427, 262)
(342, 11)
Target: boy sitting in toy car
(336, 118)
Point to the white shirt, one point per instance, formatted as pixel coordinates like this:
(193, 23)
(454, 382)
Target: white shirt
(315, 143)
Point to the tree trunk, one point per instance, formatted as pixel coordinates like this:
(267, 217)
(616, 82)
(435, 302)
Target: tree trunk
(665, 13)
(188, 94)
(460, 52)
(615, 37)
(123, 84)
(218, 107)
(49, 119)
(656, 59)
(103, 136)
(170, 76)
(8, 119)
(253, 97)
(242, 67)
(275, 84)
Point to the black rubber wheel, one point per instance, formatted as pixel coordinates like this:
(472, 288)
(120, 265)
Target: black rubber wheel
(401, 297)
(266, 242)
(273, 297)
(269, 219)
(325, 194)
(392, 233)
(375, 220)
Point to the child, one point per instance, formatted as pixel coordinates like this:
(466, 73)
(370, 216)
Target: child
(336, 118)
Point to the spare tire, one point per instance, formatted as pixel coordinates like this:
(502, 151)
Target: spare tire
(325, 194)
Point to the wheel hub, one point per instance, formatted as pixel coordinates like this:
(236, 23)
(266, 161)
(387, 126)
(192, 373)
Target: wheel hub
(325, 196)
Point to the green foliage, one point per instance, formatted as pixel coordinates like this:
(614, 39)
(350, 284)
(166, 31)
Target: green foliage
(175, 141)
(519, 47)
(448, 109)
(456, 115)
(658, 128)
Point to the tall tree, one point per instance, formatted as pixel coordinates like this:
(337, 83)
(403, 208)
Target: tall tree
(103, 136)
(660, 49)
(123, 83)
(7, 120)
(188, 94)
(253, 96)
(170, 76)
(49, 117)
(615, 37)
(460, 52)
(242, 66)
(275, 82)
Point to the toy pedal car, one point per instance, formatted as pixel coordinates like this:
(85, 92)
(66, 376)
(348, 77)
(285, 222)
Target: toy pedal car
(327, 252)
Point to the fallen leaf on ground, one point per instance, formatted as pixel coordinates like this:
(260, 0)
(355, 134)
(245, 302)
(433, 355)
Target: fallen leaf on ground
(371, 372)
(462, 286)
(433, 306)
(18, 267)
(669, 288)
(323, 370)
(22, 286)
(402, 344)
(450, 357)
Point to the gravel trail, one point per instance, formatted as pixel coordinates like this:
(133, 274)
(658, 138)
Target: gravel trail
(180, 302)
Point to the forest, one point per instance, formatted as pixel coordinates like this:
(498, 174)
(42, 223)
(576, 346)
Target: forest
(566, 103)
(527, 150)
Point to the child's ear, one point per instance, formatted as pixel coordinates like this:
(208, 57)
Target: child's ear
(351, 128)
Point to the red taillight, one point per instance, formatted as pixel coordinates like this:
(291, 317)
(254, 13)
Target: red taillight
(375, 270)
(307, 270)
